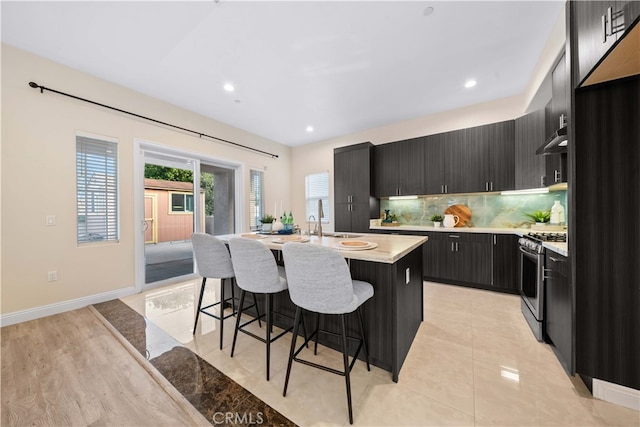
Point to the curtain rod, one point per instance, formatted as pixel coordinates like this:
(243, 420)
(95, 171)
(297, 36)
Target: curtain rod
(200, 134)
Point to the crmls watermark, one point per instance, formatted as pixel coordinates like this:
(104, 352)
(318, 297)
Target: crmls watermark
(246, 418)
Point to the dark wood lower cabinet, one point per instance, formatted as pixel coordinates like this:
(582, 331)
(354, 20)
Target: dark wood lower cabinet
(505, 262)
(559, 308)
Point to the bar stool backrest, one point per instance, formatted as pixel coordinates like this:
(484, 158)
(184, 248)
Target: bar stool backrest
(319, 279)
(255, 267)
(212, 256)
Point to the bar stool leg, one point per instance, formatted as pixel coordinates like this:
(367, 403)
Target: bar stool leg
(255, 302)
(315, 347)
(235, 333)
(346, 367)
(294, 338)
(221, 311)
(364, 340)
(204, 280)
(268, 302)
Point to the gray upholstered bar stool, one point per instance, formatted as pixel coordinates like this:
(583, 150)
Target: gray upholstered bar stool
(320, 282)
(213, 261)
(257, 272)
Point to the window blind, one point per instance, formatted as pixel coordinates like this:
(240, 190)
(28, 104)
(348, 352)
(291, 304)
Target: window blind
(256, 198)
(317, 187)
(96, 190)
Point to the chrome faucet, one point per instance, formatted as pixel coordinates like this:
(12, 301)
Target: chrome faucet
(320, 216)
(309, 224)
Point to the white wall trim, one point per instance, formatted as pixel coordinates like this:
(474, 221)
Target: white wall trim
(618, 394)
(63, 306)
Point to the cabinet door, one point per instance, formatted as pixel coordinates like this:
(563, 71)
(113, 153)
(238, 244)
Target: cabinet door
(359, 218)
(631, 10)
(559, 104)
(501, 142)
(410, 167)
(558, 307)
(342, 177)
(471, 260)
(434, 256)
(530, 168)
(433, 174)
(342, 217)
(505, 262)
(591, 41)
(466, 163)
(360, 175)
(386, 170)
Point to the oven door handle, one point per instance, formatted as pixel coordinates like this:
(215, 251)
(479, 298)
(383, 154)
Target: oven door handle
(526, 252)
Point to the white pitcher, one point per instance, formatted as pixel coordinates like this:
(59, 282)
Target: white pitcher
(451, 220)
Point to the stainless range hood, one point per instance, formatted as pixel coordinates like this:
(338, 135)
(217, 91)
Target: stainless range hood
(556, 143)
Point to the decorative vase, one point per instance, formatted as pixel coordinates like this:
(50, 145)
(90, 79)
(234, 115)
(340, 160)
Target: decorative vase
(451, 220)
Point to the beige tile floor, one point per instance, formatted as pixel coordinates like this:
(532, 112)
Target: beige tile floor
(474, 361)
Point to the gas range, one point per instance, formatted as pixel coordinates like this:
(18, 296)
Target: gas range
(533, 241)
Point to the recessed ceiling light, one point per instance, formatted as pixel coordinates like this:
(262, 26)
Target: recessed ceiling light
(309, 128)
(229, 87)
(428, 11)
(470, 83)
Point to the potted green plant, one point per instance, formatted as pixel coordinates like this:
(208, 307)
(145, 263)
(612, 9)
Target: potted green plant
(437, 220)
(267, 220)
(539, 217)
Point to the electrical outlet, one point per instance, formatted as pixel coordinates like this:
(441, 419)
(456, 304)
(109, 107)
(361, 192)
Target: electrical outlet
(51, 220)
(52, 276)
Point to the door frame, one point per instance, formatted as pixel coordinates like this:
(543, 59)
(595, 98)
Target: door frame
(140, 148)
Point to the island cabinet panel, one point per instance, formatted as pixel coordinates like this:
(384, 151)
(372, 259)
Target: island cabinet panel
(434, 257)
(505, 262)
(605, 260)
(353, 201)
(530, 168)
(559, 308)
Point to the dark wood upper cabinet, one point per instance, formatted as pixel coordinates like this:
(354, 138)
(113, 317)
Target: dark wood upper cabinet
(434, 165)
(530, 168)
(400, 168)
(464, 163)
(501, 141)
(597, 26)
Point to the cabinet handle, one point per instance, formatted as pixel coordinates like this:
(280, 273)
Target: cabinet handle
(495, 241)
(446, 188)
(555, 259)
(442, 188)
(453, 236)
(457, 246)
(556, 176)
(452, 246)
(486, 186)
(491, 185)
(604, 28)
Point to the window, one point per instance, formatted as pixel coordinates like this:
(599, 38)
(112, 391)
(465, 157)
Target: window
(256, 198)
(97, 189)
(181, 202)
(316, 186)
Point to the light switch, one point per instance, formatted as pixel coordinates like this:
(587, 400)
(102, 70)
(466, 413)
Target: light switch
(51, 220)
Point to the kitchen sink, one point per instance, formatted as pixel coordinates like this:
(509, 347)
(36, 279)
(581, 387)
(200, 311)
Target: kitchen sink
(341, 235)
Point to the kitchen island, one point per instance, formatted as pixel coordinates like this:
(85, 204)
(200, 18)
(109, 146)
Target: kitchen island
(394, 313)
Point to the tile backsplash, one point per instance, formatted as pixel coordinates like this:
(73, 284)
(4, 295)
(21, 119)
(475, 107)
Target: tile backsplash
(487, 210)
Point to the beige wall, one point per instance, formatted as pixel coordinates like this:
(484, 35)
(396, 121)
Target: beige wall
(38, 177)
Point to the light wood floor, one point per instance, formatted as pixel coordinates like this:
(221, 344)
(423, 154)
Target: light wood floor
(68, 369)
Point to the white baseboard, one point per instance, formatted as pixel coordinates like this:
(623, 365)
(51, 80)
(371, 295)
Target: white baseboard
(61, 307)
(618, 394)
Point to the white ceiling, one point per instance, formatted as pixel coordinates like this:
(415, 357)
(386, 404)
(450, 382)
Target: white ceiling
(338, 66)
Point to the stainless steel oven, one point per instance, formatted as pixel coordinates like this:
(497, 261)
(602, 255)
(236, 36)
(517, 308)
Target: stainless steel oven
(532, 284)
(532, 278)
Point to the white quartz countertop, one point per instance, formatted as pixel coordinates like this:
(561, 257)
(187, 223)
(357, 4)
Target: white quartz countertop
(390, 248)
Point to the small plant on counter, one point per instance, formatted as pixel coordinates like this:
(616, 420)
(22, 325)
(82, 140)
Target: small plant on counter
(393, 218)
(267, 219)
(539, 216)
(436, 218)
